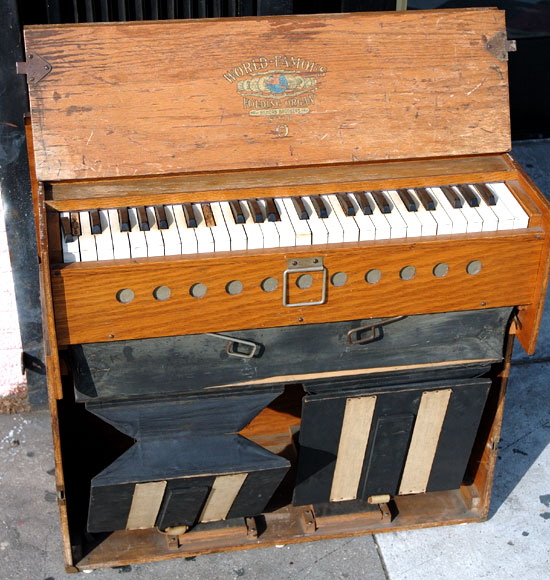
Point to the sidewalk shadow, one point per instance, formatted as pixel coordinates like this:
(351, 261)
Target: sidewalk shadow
(525, 429)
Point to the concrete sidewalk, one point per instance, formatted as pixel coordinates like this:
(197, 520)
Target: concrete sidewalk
(514, 543)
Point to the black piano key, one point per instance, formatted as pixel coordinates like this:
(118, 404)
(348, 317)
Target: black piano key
(255, 211)
(345, 203)
(381, 201)
(143, 222)
(66, 231)
(468, 194)
(208, 215)
(162, 220)
(426, 199)
(318, 204)
(189, 215)
(271, 210)
(237, 211)
(124, 219)
(95, 222)
(300, 208)
(363, 201)
(75, 224)
(407, 199)
(454, 199)
(486, 193)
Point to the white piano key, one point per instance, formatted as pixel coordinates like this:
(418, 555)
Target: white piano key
(397, 223)
(153, 236)
(104, 240)
(254, 235)
(170, 235)
(505, 219)
(332, 223)
(367, 230)
(205, 239)
(301, 227)
(319, 232)
(187, 235)
(88, 250)
(222, 241)
(414, 227)
(287, 235)
(459, 224)
(237, 235)
(505, 196)
(121, 243)
(138, 244)
(473, 219)
(428, 218)
(434, 222)
(69, 245)
(382, 225)
(490, 220)
(269, 229)
(350, 229)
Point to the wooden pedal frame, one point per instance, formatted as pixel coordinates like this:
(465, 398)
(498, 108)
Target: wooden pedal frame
(273, 429)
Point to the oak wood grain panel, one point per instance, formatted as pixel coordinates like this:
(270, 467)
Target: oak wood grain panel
(278, 181)
(360, 87)
(145, 197)
(530, 316)
(86, 308)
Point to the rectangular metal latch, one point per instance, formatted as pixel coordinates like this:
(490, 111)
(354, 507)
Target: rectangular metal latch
(238, 347)
(369, 332)
(305, 274)
(35, 67)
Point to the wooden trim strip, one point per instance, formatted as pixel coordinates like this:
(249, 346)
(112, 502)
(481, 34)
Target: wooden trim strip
(145, 505)
(425, 437)
(298, 378)
(221, 497)
(351, 448)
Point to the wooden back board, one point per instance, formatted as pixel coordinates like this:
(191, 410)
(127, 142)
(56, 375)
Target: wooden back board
(151, 98)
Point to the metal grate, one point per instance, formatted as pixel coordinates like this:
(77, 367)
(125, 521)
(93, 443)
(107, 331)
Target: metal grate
(62, 11)
(65, 11)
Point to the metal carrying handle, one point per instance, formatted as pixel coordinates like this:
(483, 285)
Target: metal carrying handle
(370, 328)
(304, 266)
(232, 342)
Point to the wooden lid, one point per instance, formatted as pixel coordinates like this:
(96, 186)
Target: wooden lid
(150, 98)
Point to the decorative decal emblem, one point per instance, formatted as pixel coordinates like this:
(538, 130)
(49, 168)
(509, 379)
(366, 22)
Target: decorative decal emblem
(282, 85)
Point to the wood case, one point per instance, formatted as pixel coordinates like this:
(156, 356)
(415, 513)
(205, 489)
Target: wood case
(171, 442)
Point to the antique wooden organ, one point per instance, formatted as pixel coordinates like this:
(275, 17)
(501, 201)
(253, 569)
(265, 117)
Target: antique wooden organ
(283, 261)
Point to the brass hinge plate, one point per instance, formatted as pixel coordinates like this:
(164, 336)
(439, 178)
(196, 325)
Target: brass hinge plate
(35, 67)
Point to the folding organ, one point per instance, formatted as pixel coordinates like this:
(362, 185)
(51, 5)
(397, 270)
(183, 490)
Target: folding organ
(281, 259)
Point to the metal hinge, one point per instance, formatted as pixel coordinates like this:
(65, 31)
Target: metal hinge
(35, 67)
(499, 45)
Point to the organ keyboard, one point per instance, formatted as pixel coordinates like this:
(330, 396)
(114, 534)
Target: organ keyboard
(194, 228)
(275, 247)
